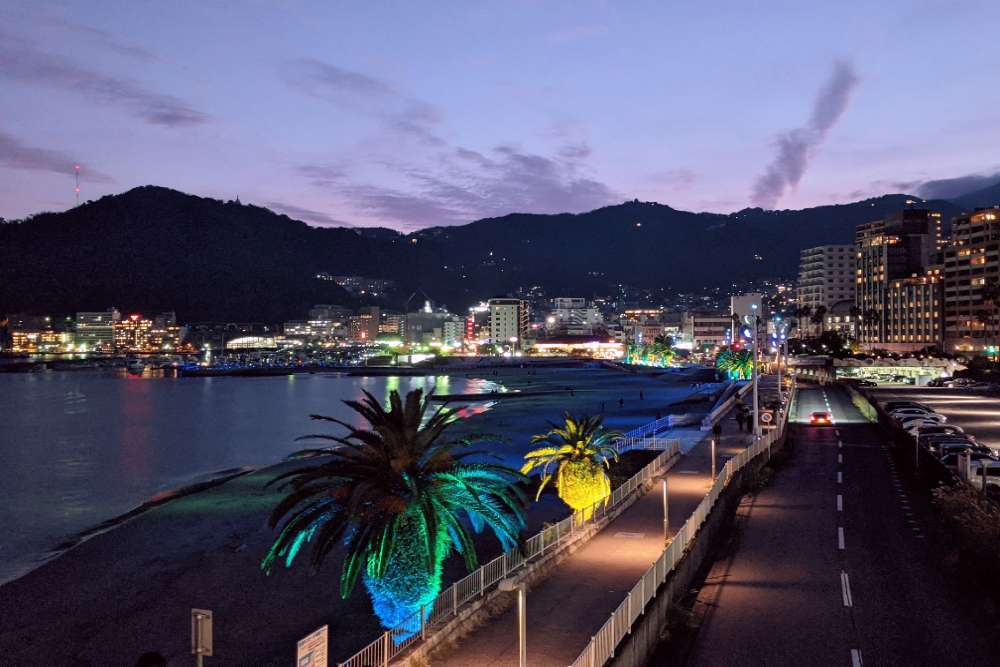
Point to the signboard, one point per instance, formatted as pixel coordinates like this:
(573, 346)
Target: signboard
(766, 417)
(201, 632)
(312, 649)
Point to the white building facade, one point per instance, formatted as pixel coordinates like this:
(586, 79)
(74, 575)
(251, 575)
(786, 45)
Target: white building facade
(827, 276)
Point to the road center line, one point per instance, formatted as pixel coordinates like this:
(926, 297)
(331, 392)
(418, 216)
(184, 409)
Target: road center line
(840, 443)
(840, 535)
(840, 458)
(836, 432)
(840, 478)
(840, 504)
(855, 658)
(845, 588)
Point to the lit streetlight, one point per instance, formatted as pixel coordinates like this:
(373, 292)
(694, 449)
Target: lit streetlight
(666, 515)
(509, 585)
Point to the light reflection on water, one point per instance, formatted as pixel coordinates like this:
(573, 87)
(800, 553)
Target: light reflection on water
(78, 448)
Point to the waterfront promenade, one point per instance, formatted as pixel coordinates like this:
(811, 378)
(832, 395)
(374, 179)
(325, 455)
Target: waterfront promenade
(568, 607)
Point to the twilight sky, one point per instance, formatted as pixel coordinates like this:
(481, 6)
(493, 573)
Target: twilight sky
(413, 114)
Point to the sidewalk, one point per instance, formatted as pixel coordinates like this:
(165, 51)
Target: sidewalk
(568, 607)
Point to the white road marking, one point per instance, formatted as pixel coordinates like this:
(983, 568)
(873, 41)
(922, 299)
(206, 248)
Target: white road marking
(840, 444)
(689, 472)
(855, 658)
(636, 536)
(840, 458)
(840, 503)
(845, 588)
(840, 537)
(840, 478)
(836, 432)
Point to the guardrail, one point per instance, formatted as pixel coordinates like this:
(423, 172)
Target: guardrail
(602, 646)
(413, 629)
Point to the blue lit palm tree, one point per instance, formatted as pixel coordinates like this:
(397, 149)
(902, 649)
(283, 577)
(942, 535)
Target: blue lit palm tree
(397, 494)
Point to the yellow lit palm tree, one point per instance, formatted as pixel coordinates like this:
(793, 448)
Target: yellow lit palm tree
(579, 450)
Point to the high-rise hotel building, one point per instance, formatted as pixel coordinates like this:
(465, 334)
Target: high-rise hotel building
(826, 277)
(970, 263)
(899, 293)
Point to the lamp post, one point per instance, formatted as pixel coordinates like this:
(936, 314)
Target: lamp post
(509, 585)
(753, 369)
(713, 459)
(666, 520)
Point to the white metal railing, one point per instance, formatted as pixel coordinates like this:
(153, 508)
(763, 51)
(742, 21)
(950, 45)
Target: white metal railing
(726, 406)
(603, 644)
(416, 627)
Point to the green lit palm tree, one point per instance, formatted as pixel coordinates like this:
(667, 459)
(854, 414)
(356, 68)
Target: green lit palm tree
(396, 493)
(577, 449)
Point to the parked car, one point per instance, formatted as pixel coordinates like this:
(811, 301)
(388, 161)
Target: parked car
(951, 460)
(967, 447)
(928, 429)
(867, 383)
(821, 419)
(909, 413)
(991, 474)
(935, 439)
(958, 382)
(908, 421)
(889, 406)
(982, 386)
(909, 410)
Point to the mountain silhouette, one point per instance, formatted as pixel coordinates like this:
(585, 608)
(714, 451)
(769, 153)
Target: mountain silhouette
(153, 249)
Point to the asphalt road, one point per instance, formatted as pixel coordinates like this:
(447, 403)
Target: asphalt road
(975, 413)
(833, 566)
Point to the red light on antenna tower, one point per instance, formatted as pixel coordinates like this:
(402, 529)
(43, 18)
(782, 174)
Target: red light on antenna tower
(77, 166)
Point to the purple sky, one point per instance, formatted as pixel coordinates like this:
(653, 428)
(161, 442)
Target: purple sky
(424, 113)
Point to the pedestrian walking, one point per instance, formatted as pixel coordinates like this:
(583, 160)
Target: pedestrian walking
(640, 397)
(739, 421)
(621, 403)
(602, 406)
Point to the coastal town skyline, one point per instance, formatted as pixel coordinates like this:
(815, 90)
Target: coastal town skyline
(431, 116)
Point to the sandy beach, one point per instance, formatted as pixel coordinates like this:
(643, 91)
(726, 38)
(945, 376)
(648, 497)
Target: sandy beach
(130, 590)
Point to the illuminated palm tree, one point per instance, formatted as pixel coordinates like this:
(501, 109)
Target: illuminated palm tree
(396, 494)
(577, 449)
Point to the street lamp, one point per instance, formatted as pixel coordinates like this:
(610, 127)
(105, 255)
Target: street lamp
(666, 519)
(509, 585)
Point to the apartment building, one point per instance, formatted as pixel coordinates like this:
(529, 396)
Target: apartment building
(970, 263)
(508, 320)
(889, 252)
(826, 277)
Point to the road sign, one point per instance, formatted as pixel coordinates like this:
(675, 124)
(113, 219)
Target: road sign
(766, 417)
(201, 632)
(312, 649)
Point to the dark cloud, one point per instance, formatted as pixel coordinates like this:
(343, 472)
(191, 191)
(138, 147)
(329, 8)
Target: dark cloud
(320, 175)
(401, 113)
(306, 215)
(21, 62)
(14, 154)
(949, 188)
(466, 185)
(453, 185)
(795, 148)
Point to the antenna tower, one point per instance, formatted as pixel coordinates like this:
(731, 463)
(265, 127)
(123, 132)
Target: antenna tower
(77, 185)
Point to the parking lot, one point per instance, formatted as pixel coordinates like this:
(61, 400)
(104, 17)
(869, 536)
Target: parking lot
(978, 414)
